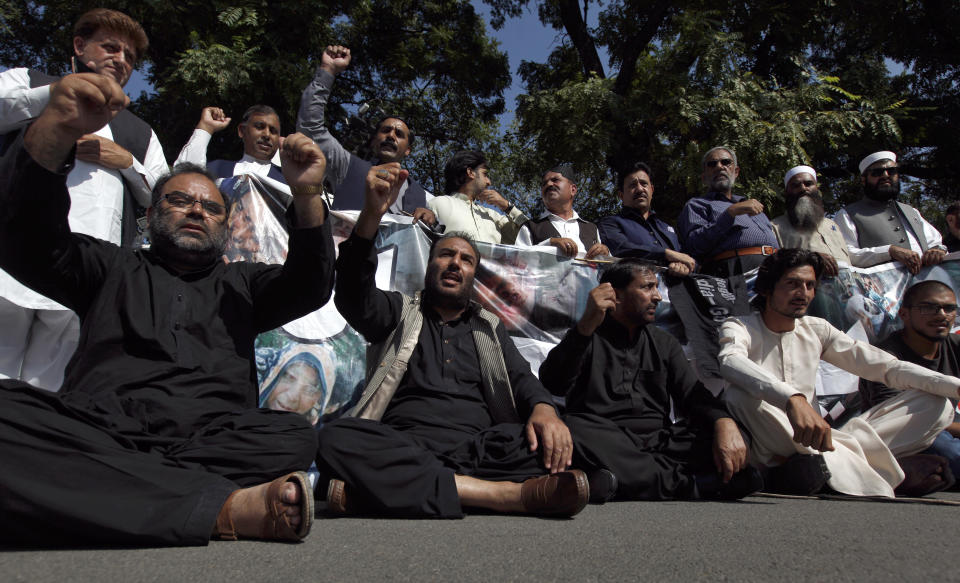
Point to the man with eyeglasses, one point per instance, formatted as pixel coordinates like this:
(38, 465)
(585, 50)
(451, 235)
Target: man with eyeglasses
(928, 313)
(115, 168)
(878, 228)
(727, 234)
(770, 360)
(804, 225)
(155, 437)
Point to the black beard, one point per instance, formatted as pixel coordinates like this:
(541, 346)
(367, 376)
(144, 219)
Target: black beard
(882, 193)
(434, 295)
(183, 250)
(805, 212)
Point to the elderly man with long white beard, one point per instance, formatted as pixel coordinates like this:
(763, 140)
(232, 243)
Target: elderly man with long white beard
(804, 225)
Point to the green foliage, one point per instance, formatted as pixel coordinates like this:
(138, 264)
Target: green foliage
(429, 62)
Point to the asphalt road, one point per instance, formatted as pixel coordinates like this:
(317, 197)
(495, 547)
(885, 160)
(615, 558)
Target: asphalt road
(757, 539)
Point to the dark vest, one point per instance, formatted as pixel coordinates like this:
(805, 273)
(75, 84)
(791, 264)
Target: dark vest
(350, 193)
(542, 229)
(880, 223)
(132, 134)
(224, 169)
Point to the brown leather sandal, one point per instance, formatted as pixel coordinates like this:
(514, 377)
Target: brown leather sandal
(274, 525)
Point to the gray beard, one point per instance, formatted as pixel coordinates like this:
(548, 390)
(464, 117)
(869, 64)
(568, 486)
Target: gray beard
(168, 244)
(806, 214)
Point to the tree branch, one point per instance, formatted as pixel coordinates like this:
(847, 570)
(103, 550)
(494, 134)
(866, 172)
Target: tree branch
(636, 44)
(576, 29)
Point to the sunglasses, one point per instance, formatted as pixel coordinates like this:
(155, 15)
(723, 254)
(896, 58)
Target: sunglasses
(725, 162)
(184, 201)
(878, 172)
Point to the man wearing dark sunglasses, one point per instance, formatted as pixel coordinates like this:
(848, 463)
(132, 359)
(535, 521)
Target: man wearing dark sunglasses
(727, 234)
(155, 437)
(928, 313)
(878, 228)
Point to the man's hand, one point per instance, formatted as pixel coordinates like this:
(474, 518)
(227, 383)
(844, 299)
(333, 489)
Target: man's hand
(678, 269)
(212, 120)
(598, 250)
(424, 215)
(809, 428)
(79, 104)
(493, 197)
(685, 263)
(383, 187)
(830, 266)
(745, 207)
(107, 153)
(304, 167)
(600, 299)
(544, 427)
(909, 258)
(566, 246)
(335, 59)
(729, 449)
(933, 256)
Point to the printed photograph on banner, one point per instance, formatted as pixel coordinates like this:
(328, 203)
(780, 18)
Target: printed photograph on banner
(256, 210)
(319, 380)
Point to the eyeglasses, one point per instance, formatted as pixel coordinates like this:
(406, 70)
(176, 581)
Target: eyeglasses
(927, 309)
(184, 201)
(725, 162)
(878, 172)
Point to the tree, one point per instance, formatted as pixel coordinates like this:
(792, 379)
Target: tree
(758, 76)
(431, 63)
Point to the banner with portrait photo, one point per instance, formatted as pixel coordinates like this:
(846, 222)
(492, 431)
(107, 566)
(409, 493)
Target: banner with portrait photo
(316, 365)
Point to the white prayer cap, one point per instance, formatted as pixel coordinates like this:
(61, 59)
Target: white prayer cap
(876, 157)
(798, 170)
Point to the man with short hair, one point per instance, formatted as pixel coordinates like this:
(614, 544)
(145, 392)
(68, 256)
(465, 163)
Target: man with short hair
(115, 168)
(450, 406)
(467, 185)
(155, 437)
(560, 225)
(878, 228)
(952, 216)
(728, 234)
(391, 142)
(804, 225)
(637, 231)
(259, 129)
(770, 360)
(623, 378)
(928, 312)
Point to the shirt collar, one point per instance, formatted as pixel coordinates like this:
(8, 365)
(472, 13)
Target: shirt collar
(248, 159)
(628, 212)
(714, 195)
(551, 216)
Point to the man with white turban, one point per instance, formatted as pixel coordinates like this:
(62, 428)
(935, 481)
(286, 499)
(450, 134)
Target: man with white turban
(878, 228)
(804, 225)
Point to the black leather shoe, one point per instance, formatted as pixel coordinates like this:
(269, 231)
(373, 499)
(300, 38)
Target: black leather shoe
(745, 482)
(603, 486)
(801, 475)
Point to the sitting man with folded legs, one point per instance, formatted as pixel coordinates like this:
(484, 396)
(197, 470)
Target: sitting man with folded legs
(155, 437)
(619, 373)
(451, 416)
(770, 359)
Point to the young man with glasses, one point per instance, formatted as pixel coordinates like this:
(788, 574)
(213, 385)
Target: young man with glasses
(928, 313)
(878, 228)
(726, 233)
(770, 360)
